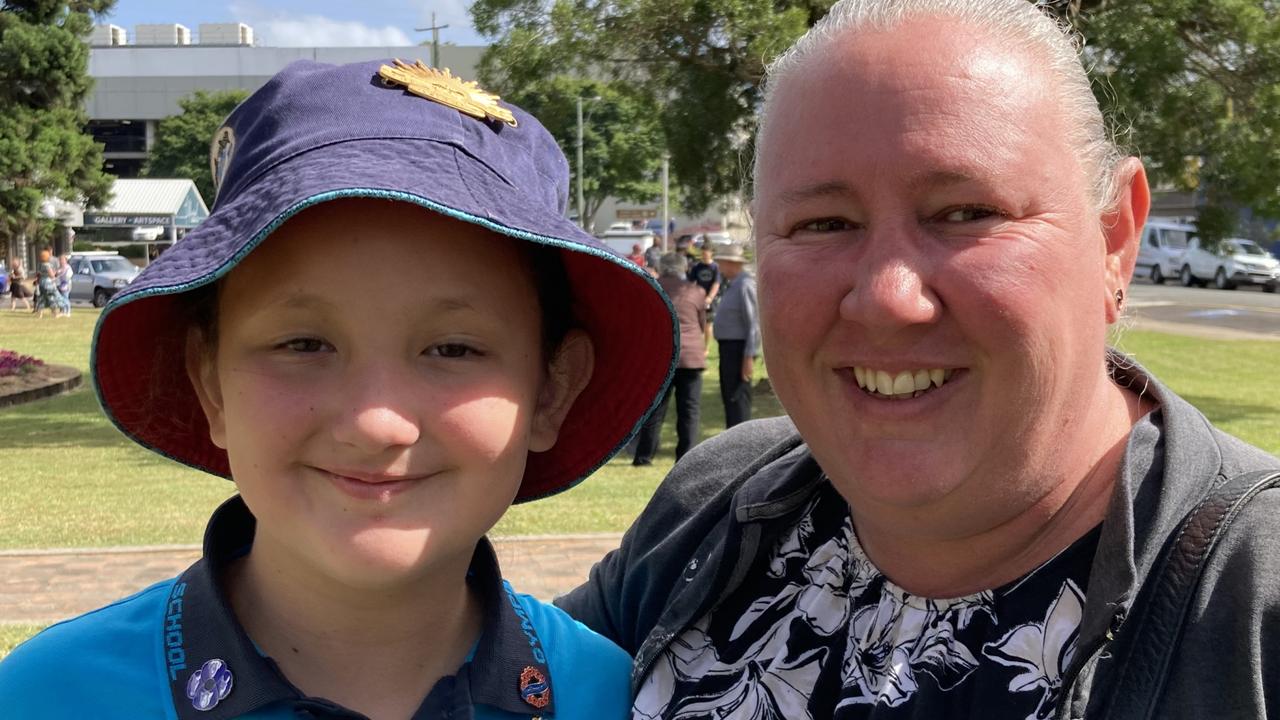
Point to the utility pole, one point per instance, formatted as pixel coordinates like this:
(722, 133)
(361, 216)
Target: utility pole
(582, 219)
(435, 39)
(666, 197)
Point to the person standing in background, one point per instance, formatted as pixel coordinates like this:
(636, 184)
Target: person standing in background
(690, 303)
(707, 274)
(18, 291)
(63, 275)
(737, 332)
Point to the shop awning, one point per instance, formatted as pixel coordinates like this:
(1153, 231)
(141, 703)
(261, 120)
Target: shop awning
(150, 203)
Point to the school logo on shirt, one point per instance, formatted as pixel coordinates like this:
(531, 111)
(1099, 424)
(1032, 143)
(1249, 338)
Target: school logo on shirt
(534, 688)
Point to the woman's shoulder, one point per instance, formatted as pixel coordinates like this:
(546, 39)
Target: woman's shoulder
(104, 664)
(590, 675)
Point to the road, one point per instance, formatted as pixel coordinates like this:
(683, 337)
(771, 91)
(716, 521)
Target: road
(1246, 313)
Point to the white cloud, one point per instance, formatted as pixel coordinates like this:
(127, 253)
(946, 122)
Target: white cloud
(281, 30)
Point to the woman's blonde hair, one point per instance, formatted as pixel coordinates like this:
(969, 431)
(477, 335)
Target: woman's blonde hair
(1013, 23)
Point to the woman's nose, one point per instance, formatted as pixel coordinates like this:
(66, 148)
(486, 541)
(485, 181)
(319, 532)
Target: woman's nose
(890, 290)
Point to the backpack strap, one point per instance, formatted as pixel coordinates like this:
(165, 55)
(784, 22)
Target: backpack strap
(1171, 588)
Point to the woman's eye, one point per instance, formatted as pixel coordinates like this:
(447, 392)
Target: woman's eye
(304, 345)
(451, 350)
(825, 225)
(970, 213)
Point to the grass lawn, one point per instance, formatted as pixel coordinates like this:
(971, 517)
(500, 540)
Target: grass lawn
(68, 478)
(12, 635)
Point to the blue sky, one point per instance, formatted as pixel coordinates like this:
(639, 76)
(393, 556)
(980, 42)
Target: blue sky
(305, 23)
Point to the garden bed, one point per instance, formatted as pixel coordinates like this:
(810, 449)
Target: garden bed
(24, 378)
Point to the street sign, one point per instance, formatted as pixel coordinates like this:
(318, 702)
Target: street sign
(637, 213)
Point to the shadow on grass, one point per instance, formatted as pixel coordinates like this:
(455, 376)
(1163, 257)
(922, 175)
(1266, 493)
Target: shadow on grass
(70, 419)
(1221, 410)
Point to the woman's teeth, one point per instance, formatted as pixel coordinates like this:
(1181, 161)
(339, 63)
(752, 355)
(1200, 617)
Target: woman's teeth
(903, 385)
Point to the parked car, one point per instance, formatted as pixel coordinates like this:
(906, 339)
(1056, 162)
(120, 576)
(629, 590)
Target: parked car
(97, 275)
(1163, 244)
(1235, 262)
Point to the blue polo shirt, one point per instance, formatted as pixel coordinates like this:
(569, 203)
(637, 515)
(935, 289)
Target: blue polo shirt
(176, 651)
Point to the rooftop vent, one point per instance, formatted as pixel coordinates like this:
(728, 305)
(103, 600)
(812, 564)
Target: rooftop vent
(161, 35)
(225, 34)
(107, 35)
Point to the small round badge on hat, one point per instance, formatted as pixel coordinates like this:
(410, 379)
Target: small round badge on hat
(445, 88)
(534, 688)
(209, 685)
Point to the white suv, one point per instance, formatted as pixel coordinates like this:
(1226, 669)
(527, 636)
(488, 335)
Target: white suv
(1236, 262)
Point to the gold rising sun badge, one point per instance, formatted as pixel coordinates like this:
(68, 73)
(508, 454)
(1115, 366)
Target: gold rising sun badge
(443, 87)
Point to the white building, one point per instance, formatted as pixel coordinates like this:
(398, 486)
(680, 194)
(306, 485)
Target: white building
(138, 83)
(139, 79)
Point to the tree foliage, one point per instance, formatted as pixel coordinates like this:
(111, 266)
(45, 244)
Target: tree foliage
(622, 137)
(44, 151)
(1196, 84)
(701, 62)
(181, 147)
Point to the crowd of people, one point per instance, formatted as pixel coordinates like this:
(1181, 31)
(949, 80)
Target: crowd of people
(50, 287)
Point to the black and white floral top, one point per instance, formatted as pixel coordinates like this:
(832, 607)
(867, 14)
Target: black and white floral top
(823, 634)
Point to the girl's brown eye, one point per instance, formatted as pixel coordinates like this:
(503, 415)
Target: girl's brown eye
(452, 350)
(304, 345)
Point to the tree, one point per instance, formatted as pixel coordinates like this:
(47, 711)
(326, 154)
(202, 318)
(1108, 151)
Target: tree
(622, 136)
(44, 151)
(699, 61)
(181, 147)
(1197, 84)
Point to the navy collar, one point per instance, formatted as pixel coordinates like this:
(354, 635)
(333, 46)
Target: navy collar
(208, 651)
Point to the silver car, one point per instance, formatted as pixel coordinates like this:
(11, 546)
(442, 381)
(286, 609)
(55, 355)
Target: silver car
(99, 275)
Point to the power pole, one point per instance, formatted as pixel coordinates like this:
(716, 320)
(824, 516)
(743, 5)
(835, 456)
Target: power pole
(435, 39)
(582, 219)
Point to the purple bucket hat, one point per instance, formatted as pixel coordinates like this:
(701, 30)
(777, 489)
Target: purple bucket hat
(317, 132)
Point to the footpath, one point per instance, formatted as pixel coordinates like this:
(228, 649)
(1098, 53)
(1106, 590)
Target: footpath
(43, 586)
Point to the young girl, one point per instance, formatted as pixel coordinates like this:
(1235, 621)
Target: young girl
(496, 354)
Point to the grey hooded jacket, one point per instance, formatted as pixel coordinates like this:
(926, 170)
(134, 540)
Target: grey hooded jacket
(730, 497)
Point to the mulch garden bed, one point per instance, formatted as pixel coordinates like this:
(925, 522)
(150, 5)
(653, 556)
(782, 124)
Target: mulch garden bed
(24, 378)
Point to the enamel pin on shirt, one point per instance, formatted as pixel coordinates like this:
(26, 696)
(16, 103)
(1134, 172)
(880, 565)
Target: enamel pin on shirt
(443, 87)
(534, 688)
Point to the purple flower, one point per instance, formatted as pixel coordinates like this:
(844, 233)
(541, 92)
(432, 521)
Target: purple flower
(209, 685)
(11, 363)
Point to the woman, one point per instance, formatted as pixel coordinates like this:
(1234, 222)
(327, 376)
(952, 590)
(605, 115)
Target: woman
(17, 289)
(963, 514)
(64, 274)
(690, 303)
(47, 295)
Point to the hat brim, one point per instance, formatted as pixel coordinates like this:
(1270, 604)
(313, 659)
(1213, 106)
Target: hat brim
(139, 343)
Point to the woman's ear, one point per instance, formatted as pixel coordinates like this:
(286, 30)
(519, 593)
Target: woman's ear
(567, 376)
(202, 371)
(1122, 230)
